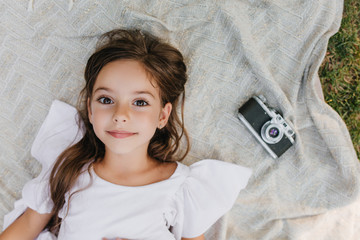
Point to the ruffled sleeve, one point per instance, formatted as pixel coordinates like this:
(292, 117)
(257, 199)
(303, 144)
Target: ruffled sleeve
(209, 191)
(58, 131)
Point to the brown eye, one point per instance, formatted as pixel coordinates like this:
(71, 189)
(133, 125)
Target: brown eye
(140, 103)
(105, 100)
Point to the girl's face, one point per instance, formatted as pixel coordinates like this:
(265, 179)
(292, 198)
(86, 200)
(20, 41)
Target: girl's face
(125, 108)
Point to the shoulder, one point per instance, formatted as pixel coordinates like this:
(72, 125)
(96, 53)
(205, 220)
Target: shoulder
(217, 175)
(211, 168)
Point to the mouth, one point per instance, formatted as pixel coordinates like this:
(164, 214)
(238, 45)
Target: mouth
(121, 134)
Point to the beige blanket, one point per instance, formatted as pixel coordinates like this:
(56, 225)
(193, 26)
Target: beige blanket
(234, 50)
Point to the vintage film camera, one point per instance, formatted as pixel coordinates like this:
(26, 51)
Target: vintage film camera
(267, 125)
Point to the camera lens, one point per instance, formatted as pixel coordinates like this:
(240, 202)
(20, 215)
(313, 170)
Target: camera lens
(271, 132)
(274, 132)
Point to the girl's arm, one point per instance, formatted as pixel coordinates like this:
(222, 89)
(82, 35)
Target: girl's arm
(27, 226)
(201, 237)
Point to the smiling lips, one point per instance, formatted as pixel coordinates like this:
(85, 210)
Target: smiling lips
(120, 134)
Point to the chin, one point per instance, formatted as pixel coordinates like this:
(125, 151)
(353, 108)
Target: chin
(124, 149)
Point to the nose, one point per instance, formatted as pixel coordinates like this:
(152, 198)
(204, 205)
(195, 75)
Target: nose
(121, 114)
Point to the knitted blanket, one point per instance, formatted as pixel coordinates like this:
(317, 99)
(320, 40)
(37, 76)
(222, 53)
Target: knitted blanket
(234, 50)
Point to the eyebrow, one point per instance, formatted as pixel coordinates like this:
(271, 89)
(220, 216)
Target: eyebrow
(136, 92)
(144, 92)
(103, 88)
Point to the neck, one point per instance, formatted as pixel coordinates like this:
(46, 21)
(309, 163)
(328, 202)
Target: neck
(129, 164)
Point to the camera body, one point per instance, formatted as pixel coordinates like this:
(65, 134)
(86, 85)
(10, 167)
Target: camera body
(267, 125)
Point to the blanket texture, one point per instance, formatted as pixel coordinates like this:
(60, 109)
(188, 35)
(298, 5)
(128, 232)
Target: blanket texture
(234, 50)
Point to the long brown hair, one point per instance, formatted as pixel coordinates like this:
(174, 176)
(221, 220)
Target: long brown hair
(165, 65)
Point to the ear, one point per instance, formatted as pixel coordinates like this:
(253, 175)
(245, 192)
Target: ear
(165, 114)
(89, 110)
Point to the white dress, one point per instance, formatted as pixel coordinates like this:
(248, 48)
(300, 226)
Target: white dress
(185, 205)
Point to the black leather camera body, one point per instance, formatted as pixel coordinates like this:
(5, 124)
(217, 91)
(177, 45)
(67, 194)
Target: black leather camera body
(267, 125)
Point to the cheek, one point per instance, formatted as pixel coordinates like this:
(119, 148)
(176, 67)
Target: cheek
(98, 117)
(148, 120)
(145, 118)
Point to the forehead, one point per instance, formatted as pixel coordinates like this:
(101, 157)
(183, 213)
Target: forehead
(125, 75)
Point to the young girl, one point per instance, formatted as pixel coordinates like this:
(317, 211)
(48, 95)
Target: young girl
(120, 175)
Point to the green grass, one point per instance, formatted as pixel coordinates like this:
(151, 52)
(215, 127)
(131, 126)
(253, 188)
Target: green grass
(340, 71)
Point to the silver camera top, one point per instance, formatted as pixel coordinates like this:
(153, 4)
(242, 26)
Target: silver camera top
(261, 98)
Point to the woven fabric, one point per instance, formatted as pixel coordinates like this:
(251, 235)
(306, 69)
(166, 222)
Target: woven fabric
(234, 50)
